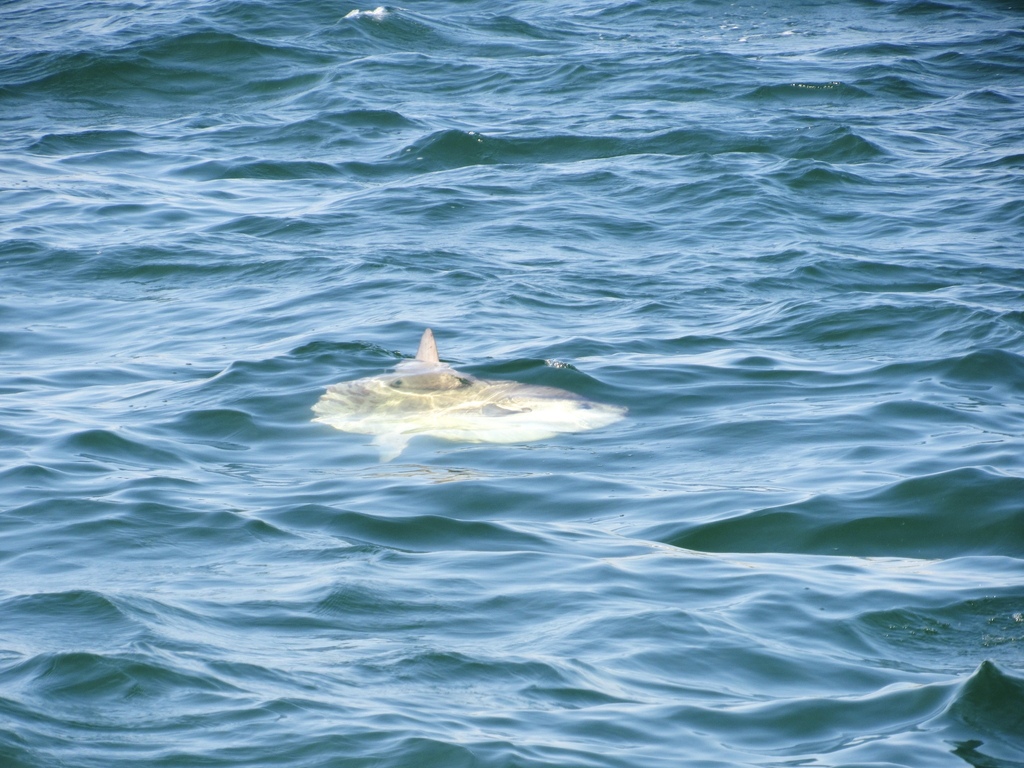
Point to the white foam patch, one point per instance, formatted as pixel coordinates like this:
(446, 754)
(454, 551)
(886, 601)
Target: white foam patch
(377, 13)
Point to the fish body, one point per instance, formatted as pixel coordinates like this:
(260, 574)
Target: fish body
(427, 397)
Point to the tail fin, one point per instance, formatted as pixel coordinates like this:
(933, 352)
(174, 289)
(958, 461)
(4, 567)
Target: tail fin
(427, 353)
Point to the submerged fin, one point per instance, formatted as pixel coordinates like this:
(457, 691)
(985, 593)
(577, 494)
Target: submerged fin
(390, 445)
(427, 353)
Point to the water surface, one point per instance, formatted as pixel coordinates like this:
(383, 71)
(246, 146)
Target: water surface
(786, 236)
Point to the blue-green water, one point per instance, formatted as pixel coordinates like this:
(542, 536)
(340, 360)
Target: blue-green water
(786, 236)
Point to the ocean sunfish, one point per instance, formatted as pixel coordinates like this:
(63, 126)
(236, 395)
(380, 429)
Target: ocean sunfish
(427, 397)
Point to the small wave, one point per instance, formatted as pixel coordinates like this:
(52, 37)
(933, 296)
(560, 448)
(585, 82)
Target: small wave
(989, 625)
(803, 176)
(903, 321)
(122, 682)
(363, 120)
(97, 618)
(223, 428)
(417, 533)
(803, 92)
(835, 144)
(889, 81)
(85, 141)
(211, 170)
(191, 64)
(997, 372)
(927, 8)
(950, 514)
(117, 448)
(409, 35)
(989, 710)
(452, 148)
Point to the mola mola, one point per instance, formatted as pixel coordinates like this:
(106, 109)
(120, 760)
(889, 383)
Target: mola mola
(427, 397)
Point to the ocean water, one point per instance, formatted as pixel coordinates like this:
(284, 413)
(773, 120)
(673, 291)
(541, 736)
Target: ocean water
(787, 236)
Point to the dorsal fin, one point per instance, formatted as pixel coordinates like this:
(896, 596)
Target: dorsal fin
(427, 353)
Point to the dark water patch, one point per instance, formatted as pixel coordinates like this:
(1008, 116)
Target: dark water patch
(994, 373)
(923, 8)
(125, 211)
(361, 609)
(31, 477)
(1009, 214)
(456, 76)
(990, 708)
(993, 98)
(870, 275)
(452, 149)
(245, 674)
(79, 142)
(826, 93)
(257, 169)
(685, 345)
(222, 428)
(915, 416)
(983, 68)
(79, 618)
(153, 264)
(507, 497)
(329, 131)
(82, 605)
(754, 436)
(893, 319)
(433, 750)
(113, 447)
(277, 227)
(969, 752)
(520, 29)
(998, 369)
(338, 353)
(989, 626)
(688, 76)
(809, 177)
(14, 749)
(951, 514)
(92, 76)
(883, 80)
(411, 533)
(213, 49)
(803, 727)
(882, 49)
(72, 681)
(354, 608)
(250, 383)
(188, 65)
(283, 88)
(437, 666)
(82, 529)
(138, 215)
(370, 120)
(24, 259)
(836, 144)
